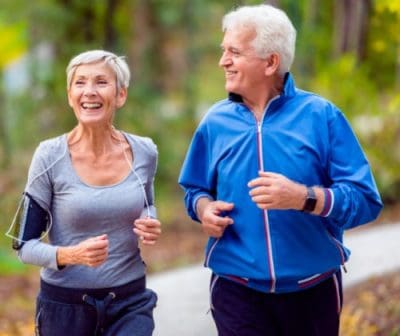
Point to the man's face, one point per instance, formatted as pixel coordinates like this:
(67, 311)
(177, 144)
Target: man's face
(244, 70)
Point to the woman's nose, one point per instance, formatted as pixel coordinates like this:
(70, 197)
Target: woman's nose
(89, 90)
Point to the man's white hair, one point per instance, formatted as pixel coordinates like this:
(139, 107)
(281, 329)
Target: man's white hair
(275, 32)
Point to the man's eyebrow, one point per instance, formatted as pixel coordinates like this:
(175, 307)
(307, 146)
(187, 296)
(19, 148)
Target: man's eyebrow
(231, 48)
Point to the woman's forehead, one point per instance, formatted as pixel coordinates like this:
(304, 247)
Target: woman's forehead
(94, 69)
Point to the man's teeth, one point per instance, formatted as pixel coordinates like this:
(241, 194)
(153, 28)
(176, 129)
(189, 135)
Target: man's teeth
(91, 105)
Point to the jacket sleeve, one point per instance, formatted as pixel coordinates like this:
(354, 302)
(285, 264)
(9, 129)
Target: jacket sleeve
(353, 194)
(197, 176)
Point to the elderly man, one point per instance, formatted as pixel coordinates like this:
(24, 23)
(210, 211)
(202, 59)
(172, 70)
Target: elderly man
(275, 175)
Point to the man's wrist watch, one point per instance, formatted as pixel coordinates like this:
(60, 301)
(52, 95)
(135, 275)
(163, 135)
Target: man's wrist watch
(311, 200)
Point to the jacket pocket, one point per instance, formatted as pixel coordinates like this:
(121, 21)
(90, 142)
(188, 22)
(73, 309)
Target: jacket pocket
(340, 249)
(210, 251)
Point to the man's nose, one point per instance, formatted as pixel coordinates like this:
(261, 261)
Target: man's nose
(224, 60)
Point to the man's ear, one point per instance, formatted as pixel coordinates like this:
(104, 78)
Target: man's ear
(272, 64)
(121, 97)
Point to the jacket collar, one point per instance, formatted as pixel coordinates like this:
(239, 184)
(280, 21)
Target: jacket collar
(289, 89)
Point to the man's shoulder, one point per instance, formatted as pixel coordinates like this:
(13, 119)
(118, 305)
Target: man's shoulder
(312, 97)
(220, 107)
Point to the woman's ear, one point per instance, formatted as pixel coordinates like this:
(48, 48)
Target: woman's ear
(69, 99)
(121, 97)
(272, 64)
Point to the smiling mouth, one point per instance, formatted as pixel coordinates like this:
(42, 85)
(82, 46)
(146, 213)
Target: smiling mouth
(230, 73)
(91, 106)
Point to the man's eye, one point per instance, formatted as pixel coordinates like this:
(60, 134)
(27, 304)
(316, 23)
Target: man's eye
(102, 82)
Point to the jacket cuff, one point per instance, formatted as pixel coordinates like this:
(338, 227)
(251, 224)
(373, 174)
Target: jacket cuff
(196, 199)
(329, 202)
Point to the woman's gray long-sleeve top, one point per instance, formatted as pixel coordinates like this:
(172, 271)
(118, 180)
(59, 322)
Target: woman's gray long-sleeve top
(80, 211)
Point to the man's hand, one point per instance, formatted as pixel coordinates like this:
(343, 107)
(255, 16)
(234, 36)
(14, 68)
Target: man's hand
(275, 191)
(212, 216)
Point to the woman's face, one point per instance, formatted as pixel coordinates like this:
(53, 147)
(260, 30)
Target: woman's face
(93, 94)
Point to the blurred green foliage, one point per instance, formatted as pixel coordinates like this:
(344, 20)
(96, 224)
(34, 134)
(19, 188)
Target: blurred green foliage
(173, 50)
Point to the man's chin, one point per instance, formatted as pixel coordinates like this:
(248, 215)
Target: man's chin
(230, 88)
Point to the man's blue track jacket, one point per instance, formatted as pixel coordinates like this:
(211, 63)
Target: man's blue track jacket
(305, 138)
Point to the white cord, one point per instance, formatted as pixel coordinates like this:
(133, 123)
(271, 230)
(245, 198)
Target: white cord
(134, 172)
(21, 202)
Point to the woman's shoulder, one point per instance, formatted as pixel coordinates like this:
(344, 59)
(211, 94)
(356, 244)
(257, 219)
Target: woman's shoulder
(52, 147)
(145, 143)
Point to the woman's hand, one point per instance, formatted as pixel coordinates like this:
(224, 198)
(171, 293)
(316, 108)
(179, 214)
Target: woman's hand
(147, 229)
(91, 252)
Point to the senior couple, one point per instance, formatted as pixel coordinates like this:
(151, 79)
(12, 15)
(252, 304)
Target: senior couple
(274, 174)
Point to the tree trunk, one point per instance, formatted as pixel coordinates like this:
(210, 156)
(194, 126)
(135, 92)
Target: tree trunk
(275, 3)
(351, 27)
(397, 83)
(309, 22)
(4, 141)
(83, 23)
(110, 35)
(146, 50)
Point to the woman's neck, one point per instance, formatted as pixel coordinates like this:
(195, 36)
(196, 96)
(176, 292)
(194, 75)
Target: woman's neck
(97, 141)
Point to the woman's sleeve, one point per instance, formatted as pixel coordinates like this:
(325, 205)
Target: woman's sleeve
(35, 219)
(149, 209)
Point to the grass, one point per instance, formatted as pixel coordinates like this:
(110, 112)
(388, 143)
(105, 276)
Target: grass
(372, 308)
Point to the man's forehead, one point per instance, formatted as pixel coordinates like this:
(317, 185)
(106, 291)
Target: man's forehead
(240, 34)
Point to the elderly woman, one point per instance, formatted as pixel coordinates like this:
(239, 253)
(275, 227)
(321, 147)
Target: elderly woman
(91, 192)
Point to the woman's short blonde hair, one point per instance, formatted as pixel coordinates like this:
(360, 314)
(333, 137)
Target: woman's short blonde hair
(116, 63)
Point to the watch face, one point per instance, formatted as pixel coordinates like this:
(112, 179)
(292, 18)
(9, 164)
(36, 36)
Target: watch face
(310, 204)
(311, 200)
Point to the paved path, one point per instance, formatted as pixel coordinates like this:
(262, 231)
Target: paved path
(183, 294)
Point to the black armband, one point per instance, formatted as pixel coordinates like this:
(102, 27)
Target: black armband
(33, 221)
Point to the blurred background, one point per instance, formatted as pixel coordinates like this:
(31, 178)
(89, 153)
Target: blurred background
(347, 51)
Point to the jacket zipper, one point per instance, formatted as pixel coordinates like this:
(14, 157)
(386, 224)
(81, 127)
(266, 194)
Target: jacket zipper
(271, 266)
(270, 257)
